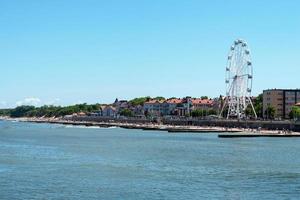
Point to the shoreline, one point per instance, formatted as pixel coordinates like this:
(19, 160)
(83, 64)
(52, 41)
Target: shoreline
(224, 132)
(141, 126)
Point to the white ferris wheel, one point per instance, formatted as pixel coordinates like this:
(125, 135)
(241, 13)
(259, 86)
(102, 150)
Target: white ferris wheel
(238, 79)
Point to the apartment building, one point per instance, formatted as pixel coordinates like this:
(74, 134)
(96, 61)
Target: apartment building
(155, 107)
(282, 100)
(176, 106)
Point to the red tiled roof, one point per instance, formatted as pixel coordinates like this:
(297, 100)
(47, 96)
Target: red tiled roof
(153, 101)
(174, 101)
(178, 101)
(202, 101)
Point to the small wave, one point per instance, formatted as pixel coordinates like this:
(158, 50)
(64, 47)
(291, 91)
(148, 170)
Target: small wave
(92, 127)
(112, 127)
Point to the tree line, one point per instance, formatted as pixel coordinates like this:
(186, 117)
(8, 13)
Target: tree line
(48, 111)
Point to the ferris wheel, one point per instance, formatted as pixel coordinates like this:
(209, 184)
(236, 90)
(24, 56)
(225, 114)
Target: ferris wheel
(238, 79)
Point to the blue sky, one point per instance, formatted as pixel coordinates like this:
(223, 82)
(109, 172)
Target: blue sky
(68, 51)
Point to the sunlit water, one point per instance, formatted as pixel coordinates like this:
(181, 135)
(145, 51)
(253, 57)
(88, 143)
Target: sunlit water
(40, 161)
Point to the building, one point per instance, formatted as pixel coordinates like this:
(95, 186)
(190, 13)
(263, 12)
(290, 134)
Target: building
(109, 111)
(120, 105)
(202, 104)
(154, 107)
(96, 113)
(81, 114)
(186, 105)
(282, 100)
(177, 106)
(170, 105)
(184, 108)
(138, 111)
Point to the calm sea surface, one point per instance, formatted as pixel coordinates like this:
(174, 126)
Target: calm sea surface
(40, 161)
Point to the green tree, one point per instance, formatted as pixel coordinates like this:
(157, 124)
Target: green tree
(212, 112)
(21, 111)
(204, 97)
(159, 98)
(127, 113)
(199, 113)
(49, 111)
(258, 105)
(139, 101)
(5, 112)
(295, 113)
(270, 112)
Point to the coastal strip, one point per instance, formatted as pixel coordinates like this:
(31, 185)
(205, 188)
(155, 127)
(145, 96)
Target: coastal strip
(141, 126)
(222, 132)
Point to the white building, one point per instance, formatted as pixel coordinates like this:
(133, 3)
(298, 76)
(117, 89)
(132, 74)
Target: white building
(109, 111)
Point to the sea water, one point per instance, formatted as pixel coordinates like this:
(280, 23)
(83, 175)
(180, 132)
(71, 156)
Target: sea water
(42, 161)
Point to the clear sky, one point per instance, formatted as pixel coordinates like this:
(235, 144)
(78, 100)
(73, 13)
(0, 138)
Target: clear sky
(70, 51)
